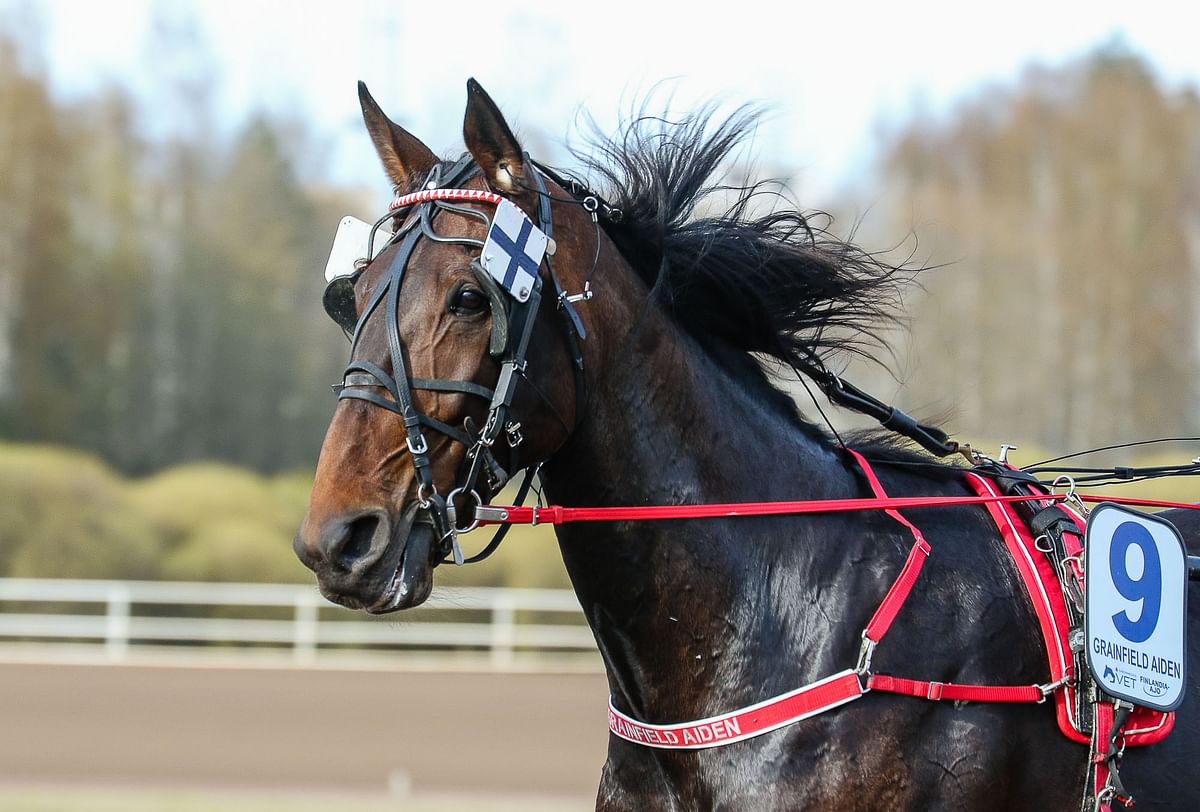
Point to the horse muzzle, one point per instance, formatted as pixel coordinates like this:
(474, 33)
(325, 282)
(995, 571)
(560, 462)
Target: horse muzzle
(370, 560)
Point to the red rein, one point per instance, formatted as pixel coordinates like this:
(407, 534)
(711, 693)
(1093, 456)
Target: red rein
(557, 514)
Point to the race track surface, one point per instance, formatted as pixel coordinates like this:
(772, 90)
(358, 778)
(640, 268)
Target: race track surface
(297, 729)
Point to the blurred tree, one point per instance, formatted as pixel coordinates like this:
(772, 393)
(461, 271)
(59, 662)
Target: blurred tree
(1068, 208)
(160, 294)
(256, 338)
(35, 246)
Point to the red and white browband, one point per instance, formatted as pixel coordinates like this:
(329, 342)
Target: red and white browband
(461, 195)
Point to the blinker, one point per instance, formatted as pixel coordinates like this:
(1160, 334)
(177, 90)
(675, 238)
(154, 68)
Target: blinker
(351, 244)
(339, 302)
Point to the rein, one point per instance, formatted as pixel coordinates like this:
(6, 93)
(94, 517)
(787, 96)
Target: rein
(557, 514)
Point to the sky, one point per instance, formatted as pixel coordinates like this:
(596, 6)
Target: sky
(833, 76)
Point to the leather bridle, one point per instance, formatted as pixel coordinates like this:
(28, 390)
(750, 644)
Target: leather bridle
(511, 325)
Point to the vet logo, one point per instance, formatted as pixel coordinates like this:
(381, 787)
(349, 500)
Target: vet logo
(513, 250)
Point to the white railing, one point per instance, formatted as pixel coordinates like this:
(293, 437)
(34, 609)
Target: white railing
(145, 615)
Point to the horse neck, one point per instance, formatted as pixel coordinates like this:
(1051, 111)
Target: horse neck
(667, 424)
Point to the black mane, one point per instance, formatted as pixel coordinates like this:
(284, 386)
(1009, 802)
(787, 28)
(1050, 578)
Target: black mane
(773, 283)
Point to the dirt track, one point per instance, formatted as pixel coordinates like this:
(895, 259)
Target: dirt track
(302, 729)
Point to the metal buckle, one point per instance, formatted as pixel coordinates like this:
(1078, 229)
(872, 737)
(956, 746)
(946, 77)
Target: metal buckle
(421, 448)
(1050, 687)
(1070, 496)
(513, 430)
(452, 511)
(574, 298)
(865, 652)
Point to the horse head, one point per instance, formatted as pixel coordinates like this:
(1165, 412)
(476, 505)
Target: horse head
(455, 381)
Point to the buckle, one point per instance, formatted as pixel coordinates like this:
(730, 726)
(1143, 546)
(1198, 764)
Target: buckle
(421, 447)
(865, 652)
(1050, 687)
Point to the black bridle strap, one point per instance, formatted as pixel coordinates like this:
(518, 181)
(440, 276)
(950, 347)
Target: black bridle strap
(396, 384)
(573, 327)
(446, 385)
(428, 384)
(846, 394)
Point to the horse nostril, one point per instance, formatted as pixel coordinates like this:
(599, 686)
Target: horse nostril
(359, 535)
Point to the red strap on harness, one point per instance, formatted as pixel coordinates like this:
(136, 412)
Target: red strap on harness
(881, 621)
(835, 690)
(557, 514)
(727, 728)
(953, 691)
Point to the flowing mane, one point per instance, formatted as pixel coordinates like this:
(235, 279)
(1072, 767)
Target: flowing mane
(773, 283)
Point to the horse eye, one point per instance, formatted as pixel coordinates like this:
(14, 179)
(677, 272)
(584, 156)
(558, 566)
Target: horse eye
(466, 300)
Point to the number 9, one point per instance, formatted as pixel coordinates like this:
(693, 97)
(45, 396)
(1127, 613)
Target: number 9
(1147, 588)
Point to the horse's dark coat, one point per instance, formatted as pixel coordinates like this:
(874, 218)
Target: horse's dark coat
(694, 618)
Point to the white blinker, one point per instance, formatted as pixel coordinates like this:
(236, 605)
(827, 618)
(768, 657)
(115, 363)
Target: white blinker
(350, 245)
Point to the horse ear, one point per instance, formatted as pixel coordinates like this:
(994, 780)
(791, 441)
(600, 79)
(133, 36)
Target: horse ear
(403, 155)
(491, 142)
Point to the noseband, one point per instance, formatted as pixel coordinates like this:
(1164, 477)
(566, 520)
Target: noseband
(514, 313)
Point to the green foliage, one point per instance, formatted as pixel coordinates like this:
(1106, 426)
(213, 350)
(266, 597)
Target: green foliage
(221, 523)
(180, 500)
(66, 514)
(234, 549)
(160, 295)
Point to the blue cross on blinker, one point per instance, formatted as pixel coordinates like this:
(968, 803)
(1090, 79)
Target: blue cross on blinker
(518, 257)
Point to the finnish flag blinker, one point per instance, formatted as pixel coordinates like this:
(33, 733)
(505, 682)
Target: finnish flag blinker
(513, 250)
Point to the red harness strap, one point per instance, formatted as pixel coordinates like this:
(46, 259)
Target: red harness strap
(881, 621)
(832, 691)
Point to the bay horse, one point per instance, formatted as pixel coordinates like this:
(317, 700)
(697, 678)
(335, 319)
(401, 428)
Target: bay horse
(640, 377)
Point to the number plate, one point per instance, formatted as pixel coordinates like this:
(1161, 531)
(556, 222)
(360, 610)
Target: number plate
(1136, 606)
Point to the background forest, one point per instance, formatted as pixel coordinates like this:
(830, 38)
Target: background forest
(164, 360)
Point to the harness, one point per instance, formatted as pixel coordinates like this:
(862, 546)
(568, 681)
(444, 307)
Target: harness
(1047, 558)
(1049, 566)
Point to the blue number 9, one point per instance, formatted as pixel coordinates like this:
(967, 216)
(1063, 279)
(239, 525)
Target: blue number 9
(1147, 588)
